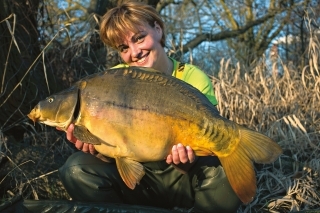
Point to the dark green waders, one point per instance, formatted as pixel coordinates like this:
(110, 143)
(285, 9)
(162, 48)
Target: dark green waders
(204, 188)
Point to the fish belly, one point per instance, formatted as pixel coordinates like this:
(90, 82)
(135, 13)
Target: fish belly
(135, 134)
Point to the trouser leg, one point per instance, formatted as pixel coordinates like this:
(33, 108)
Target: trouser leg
(213, 192)
(205, 187)
(87, 178)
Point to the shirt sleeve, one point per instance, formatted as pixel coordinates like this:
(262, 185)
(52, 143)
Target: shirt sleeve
(197, 78)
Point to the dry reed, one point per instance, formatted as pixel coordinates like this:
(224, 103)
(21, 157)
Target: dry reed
(286, 108)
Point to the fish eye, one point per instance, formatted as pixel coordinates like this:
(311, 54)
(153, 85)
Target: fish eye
(50, 100)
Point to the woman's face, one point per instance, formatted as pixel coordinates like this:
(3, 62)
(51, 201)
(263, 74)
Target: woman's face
(143, 48)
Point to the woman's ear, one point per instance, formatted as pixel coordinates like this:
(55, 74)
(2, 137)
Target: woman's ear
(157, 28)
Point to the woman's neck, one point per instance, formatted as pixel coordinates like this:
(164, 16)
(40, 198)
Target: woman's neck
(165, 65)
(169, 66)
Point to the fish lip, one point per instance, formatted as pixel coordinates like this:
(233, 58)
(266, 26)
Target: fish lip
(34, 115)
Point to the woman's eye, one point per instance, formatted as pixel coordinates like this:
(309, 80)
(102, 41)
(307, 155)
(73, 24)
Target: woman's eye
(123, 49)
(140, 38)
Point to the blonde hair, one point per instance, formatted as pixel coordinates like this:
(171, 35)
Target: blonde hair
(127, 17)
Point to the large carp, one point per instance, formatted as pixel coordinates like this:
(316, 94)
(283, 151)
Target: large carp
(137, 114)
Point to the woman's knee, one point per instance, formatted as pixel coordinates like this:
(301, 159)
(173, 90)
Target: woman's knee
(73, 167)
(213, 192)
(87, 178)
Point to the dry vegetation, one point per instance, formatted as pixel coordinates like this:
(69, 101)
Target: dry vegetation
(285, 107)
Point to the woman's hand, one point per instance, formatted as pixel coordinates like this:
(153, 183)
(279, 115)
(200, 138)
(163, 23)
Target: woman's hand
(181, 158)
(181, 154)
(85, 147)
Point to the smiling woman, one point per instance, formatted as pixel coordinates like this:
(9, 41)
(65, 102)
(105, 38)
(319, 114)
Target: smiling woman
(138, 34)
(144, 49)
(181, 179)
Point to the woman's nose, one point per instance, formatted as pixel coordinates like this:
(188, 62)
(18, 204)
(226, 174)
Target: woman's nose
(135, 51)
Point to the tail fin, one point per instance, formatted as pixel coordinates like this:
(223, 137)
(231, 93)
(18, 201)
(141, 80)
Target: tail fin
(238, 166)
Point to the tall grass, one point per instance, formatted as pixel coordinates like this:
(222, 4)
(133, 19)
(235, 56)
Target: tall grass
(286, 108)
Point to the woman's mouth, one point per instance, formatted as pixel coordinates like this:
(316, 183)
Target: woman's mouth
(143, 60)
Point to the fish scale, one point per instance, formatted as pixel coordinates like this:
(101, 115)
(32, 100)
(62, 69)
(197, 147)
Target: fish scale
(137, 114)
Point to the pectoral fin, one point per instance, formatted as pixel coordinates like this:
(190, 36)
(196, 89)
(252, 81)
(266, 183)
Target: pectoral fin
(130, 171)
(83, 134)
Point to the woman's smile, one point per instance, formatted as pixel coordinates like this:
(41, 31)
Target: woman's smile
(143, 60)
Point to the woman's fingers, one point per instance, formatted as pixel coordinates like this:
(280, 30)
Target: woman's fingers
(181, 154)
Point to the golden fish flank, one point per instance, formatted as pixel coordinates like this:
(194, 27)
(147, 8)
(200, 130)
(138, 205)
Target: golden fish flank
(136, 115)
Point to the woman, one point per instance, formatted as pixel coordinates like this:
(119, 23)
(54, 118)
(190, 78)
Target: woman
(181, 180)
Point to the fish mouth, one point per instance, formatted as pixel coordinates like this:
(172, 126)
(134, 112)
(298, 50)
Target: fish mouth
(35, 115)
